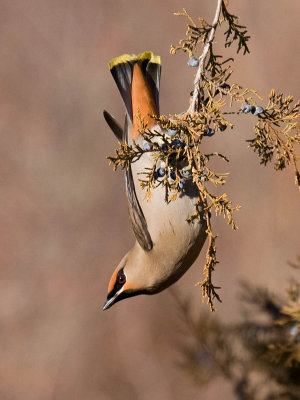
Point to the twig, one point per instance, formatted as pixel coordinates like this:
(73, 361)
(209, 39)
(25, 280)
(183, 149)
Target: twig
(202, 58)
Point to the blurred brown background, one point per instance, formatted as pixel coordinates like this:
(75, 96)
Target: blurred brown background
(64, 224)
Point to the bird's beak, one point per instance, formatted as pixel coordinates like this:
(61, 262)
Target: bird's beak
(111, 301)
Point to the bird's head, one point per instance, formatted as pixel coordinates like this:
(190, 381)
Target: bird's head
(125, 282)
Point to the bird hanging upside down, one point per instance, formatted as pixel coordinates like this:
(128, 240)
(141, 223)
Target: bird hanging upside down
(166, 244)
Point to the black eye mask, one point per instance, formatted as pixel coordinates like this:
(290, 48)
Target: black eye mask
(120, 281)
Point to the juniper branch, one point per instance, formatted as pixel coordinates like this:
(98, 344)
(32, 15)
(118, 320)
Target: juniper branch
(276, 132)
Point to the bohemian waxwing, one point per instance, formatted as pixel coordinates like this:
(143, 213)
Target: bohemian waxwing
(166, 244)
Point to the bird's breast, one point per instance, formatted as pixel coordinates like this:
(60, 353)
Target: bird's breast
(176, 242)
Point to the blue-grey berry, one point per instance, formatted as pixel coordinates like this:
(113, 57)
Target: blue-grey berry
(163, 146)
(147, 146)
(294, 330)
(203, 178)
(161, 172)
(173, 175)
(225, 86)
(204, 215)
(257, 110)
(193, 62)
(186, 172)
(246, 108)
(181, 184)
(176, 143)
(171, 132)
(209, 132)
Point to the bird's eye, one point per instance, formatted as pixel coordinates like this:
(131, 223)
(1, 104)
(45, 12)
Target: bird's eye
(121, 279)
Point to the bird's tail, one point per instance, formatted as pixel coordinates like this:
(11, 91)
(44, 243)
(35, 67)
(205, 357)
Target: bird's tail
(137, 78)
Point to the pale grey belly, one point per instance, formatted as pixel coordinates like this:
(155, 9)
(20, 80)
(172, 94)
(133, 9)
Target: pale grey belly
(175, 240)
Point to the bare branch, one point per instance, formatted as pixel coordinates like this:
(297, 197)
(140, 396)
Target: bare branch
(194, 103)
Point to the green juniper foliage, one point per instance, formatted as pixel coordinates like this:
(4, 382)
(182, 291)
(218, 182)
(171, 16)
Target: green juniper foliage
(259, 356)
(214, 98)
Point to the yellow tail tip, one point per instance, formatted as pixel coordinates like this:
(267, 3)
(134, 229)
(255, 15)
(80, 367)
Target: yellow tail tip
(147, 55)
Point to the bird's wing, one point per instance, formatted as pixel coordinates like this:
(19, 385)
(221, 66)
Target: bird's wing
(138, 221)
(114, 125)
